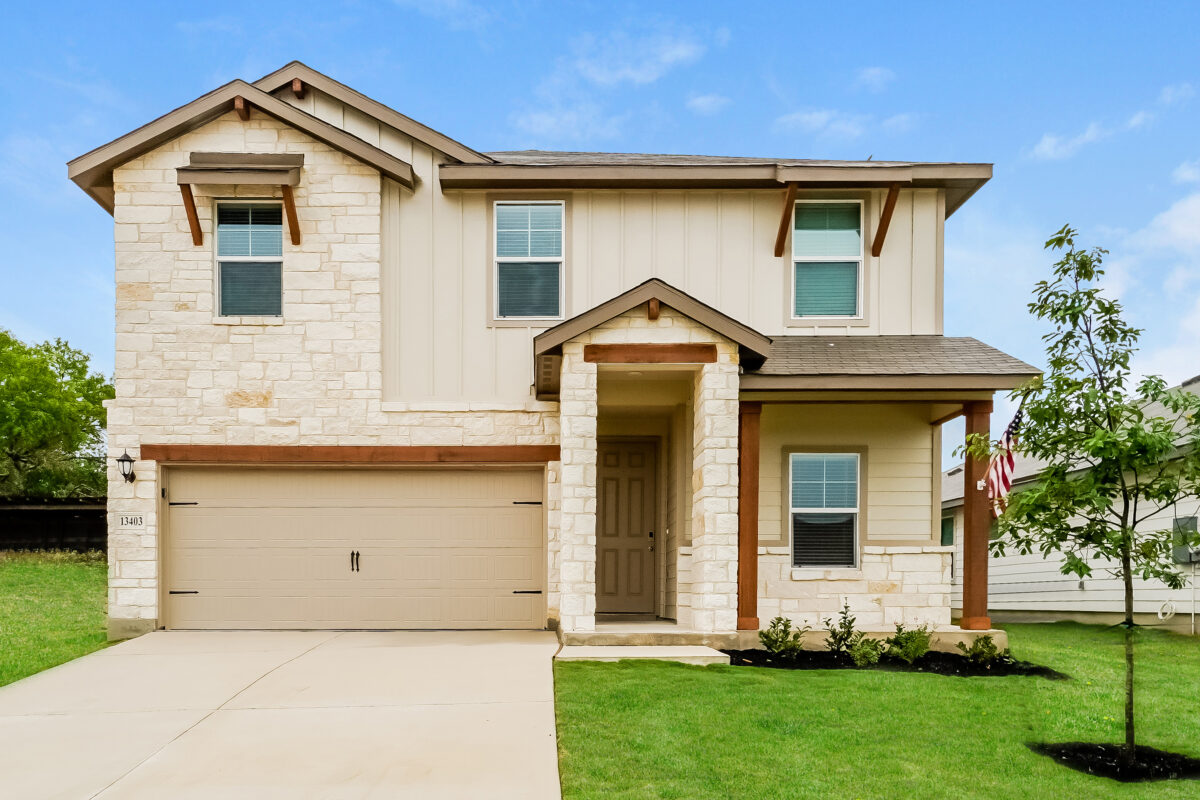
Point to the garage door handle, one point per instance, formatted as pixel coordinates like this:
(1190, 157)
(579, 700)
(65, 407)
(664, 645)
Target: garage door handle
(177, 591)
(354, 561)
(527, 591)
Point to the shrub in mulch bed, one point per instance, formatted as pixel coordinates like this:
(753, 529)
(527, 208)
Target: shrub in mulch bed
(933, 662)
(1105, 760)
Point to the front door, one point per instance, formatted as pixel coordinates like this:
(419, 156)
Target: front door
(625, 535)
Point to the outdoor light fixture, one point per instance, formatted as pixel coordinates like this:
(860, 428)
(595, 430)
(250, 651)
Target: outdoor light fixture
(125, 464)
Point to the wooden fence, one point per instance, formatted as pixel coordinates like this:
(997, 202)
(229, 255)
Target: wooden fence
(70, 524)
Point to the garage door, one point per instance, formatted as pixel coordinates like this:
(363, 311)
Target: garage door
(338, 548)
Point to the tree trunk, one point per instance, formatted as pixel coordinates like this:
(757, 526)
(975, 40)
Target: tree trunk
(1127, 575)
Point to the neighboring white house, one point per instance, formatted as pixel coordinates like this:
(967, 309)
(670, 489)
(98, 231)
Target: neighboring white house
(370, 377)
(1033, 588)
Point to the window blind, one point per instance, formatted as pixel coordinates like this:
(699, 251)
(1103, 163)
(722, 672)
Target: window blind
(827, 230)
(528, 289)
(245, 229)
(528, 231)
(826, 288)
(251, 288)
(823, 540)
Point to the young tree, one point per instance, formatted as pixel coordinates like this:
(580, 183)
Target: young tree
(51, 420)
(1115, 454)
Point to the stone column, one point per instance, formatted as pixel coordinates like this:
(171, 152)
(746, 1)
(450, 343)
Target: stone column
(577, 512)
(715, 494)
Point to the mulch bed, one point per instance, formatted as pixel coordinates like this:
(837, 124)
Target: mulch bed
(1105, 760)
(933, 662)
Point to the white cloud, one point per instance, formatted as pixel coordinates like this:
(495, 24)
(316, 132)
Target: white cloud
(707, 104)
(1053, 147)
(823, 122)
(874, 79)
(1139, 119)
(1175, 93)
(578, 122)
(457, 14)
(900, 123)
(1187, 172)
(618, 58)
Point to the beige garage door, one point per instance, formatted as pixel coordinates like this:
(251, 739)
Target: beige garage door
(343, 548)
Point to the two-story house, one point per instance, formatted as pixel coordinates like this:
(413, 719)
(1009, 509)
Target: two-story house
(369, 377)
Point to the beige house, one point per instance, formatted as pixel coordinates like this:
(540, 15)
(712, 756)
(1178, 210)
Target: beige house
(369, 377)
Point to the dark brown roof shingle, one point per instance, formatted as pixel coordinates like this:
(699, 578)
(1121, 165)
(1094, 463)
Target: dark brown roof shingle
(888, 355)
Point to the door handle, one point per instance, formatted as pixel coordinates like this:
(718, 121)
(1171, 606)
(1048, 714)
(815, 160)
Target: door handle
(354, 556)
(357, 561)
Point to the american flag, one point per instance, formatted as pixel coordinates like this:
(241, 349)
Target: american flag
(1000, 469)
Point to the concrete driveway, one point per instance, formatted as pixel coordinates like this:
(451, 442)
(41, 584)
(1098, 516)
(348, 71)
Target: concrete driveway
(288, 715)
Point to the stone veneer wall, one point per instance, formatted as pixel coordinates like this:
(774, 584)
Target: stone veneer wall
(314, 377)
(706, 570)
(906, 584)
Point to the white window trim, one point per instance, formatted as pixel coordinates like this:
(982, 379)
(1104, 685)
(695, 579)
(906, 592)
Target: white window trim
(862, 258)
(497, 260)
(235, 319)
(855, 510)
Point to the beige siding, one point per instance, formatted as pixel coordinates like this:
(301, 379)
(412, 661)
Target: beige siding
(899, 461)
(715, 245)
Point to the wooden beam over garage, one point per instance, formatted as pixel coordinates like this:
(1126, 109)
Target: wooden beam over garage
(348, 454)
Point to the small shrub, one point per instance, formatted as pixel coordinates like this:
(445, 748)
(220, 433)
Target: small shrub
(866, 651)
(842, 637)
(909, 644)
(984, 652)
(781, 639)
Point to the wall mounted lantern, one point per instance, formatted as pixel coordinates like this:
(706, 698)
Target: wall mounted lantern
(125, 464)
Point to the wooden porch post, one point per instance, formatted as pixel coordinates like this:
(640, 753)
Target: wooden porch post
(749, 416)
(977, 523)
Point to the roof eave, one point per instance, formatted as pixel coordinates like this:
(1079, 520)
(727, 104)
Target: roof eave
(955, 381)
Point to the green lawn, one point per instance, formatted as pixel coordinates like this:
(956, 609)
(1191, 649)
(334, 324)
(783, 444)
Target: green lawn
(51, 610)
(673, 731)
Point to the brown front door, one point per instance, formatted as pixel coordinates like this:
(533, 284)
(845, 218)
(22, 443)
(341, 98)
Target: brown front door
(625, 535)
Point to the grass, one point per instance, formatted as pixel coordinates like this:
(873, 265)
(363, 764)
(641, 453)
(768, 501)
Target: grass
(654, 729)
(51, 610)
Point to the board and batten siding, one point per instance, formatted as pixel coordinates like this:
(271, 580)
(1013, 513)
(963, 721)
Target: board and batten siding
(440, 343)
(900, 455)
(1032, 583)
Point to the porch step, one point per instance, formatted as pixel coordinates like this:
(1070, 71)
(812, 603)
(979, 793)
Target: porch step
(684, 654)
(633, 637)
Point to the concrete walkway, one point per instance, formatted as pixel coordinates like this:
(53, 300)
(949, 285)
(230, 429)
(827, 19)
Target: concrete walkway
(288, 715)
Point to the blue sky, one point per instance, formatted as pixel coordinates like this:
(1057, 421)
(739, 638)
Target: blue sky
(1088, 110)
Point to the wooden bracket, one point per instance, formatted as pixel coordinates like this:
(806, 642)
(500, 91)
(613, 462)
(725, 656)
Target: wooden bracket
(289, 207)
(653, 308)
(241, 107)
(298, 88)
(889, 205)
(189, 205)
(785, 219)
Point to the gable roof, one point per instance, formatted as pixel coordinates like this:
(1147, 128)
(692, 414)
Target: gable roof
(372, 108)
(754, 345)
(93, 171)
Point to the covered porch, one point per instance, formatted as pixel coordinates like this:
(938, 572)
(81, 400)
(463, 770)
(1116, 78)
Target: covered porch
(712, 479)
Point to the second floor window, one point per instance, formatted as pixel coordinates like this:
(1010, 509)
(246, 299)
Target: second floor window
(250, 259)
(827, 259)
(529, 260)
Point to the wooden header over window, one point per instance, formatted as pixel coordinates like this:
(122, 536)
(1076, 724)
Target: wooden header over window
(270, 169)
